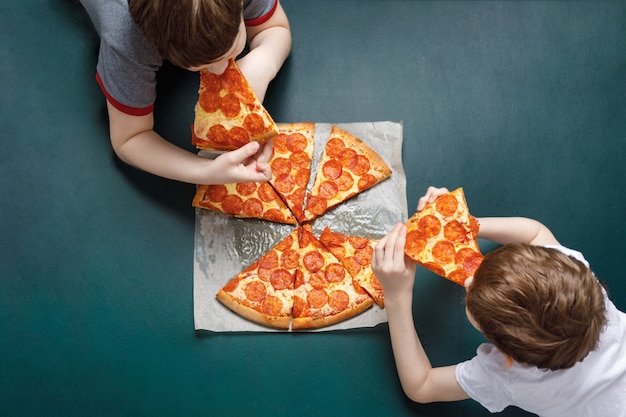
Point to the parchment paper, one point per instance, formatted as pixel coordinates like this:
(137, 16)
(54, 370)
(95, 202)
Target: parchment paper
(224, 246)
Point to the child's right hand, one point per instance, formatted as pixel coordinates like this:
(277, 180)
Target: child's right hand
(246, 164)
(431, 195)
(394, 270)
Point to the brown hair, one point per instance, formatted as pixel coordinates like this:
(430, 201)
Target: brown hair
(537, 305)
(189, 33)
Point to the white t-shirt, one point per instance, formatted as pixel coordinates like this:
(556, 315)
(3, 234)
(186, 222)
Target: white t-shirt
(595, 387)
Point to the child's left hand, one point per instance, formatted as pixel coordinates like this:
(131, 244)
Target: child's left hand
(393, 269)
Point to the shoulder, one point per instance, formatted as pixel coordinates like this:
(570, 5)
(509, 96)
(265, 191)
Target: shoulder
(569, 252)
(256, 12)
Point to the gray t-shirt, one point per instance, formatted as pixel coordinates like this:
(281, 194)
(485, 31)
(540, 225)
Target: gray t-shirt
(127, 61)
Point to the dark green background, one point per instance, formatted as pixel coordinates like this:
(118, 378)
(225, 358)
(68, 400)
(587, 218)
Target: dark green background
(521, 103)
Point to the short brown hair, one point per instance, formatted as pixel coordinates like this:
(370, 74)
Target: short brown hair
(537, 305)
(189, 33)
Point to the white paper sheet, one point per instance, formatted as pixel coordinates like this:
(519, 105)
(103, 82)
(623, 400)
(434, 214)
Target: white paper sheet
(224, 246)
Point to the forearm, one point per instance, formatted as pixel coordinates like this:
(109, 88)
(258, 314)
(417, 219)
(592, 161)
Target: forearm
(503, 230)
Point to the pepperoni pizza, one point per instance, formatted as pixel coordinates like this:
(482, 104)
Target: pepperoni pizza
(347, 167)
(442, 238)
(355, 253)
(244, 200)
(228, 113)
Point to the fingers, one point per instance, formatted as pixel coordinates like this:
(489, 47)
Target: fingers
(246, 151)
(390, 249)
(431, 195)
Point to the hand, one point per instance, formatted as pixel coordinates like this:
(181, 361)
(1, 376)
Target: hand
(246, 164)
(393, 269)
(431, 195)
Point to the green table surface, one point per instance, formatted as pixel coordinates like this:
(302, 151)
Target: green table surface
(521, 103)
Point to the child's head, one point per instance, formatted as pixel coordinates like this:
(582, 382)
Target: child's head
(537, 305)
(189, 33)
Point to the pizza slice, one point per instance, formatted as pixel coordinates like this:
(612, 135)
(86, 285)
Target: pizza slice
(355, 253)
(442, 238)
(263, 292)
(228, 113)
(244, 200)
(347, 167)
(291, 164)
(324, 292)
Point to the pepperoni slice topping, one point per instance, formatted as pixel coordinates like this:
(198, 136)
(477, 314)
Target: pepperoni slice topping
(300, 160)
(318, 280)
(281, 166)
(275, 215)
(316, 205)
(300, 308)
(352, 265)
(269, 260)
(455, 232)
(313, 261)
(296, 142)
(332, 169)
(429, 225)
(302, 178)
(444, 252)
(364, 255)
(328, 190)
(232, 204)
(252, 207)
(280, 143)
(338, 300)
(238, 136)
(209, 102)
(266, 192)
(290, 259)
(349, 158)
(229, 105)
(415, 242)
(218, 135)
(469, 260)
(345, 181)
(335, 147)
(285, 244)
(437, 269)
(358, 242)
(255, 291)
(366, 181)
(231, 285)
(284, 183)
(317, 298)
(272, 306)
(216, 193)
(281, 279)
(254, 124)
(335, 272)
(446, 204)
(362, 165)
(246, 188)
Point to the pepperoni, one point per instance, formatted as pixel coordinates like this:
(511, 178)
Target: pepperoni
(474, 225)
(300, 160)
(254, 124)
(415, 242)
(335, 147)
(300, 309)
(302, 178)
(332, 169)
(327, 190)
(366, 181)
(437, 269)
(272, 306)
(446, 204)
(338, 251)
(284, 183)
(264, 273)
(232, 204)
(345, 181)
(362, 165)
(280, 143)
(297, 198)
(210, 82)
(364, 255)
(255, 291)
(266, 192)
(358, 242)
(338, 300)
(281, 166)
(229, 105)
(455, 232)
(269, 260)
(238, 137)
(232, 285)
(246, 188)
(218, 135)
(285, 244)
(352, 265)
(276, 215)
(290, 259)
(313, 261)
(349, 158)
(328, 237)
(231, 79)
(298, 279)
(318, 280)
(296, 142)
(209, 102)
(252, 207)
(429, 225)
(335, 272)
(216, 193)
(281, 279)
(458, 275)
(443, 252)
(316, 205)
(317, 298)
(469, 260)
(375, 283)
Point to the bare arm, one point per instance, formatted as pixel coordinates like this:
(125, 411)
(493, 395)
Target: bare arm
(269, 44)
(134, 140)
(420, 381)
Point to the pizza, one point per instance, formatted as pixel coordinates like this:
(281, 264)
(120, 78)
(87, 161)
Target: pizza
(228, 113)
(347, 167)
(442, 238)
(355, 253)
(297, 282)
(263, 292)
(324, 292)
(291, 164)
(244, 200)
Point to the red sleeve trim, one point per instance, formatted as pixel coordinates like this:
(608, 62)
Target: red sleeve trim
(133, 111)
(262, 19)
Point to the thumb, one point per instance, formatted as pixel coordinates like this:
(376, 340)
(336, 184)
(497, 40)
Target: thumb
(246, 151)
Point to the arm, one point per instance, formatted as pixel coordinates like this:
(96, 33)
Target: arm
(420, 381)
(134, 140)
(269, 44)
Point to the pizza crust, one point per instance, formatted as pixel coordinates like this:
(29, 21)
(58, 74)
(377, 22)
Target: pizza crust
(277, 322)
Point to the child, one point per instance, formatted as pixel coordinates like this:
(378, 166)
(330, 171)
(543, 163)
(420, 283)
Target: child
(136, 35)
(558, 344)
